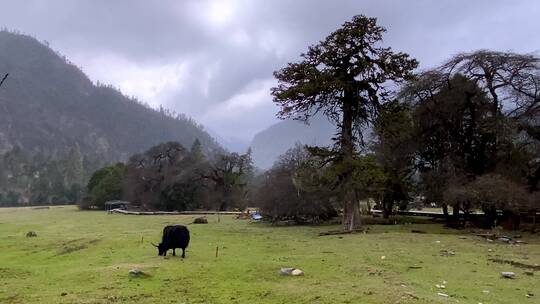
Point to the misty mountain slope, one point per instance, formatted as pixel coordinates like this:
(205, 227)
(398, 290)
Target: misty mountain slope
(270, 143)
(47, 105)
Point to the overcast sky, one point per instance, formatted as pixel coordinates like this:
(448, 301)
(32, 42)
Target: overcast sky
(213, 60)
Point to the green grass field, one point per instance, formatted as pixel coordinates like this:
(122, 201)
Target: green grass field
(85, 257)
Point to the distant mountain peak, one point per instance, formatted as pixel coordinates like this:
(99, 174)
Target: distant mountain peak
(275, 140)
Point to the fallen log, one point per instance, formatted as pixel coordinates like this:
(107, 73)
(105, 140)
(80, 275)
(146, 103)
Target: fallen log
(338, 232)
(516, 264)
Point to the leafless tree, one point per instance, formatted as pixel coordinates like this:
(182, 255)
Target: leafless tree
(512, 80)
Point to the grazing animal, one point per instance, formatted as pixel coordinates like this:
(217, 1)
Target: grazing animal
(176, 236)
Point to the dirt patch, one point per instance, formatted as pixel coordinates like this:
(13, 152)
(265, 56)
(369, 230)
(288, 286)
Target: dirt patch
(516, 264)
(9, 273)
(76, 245)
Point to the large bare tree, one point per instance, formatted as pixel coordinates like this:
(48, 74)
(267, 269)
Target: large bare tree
(512, 81)
(346, 77)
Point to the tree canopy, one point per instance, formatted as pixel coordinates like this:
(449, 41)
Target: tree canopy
(347, 77)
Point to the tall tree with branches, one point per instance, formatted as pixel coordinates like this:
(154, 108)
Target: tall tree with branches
(511, 84)
(346, 77)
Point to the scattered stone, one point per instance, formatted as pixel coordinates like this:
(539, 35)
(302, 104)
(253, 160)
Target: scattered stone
(200, 220)
(297, 272)
(485, 291)
(291, 271)
(286, 271)
(437, 242)
(63, 294)
(383, 257)
(508, 274)
(505, 239)
(135, 272)
(447, 253)
(412, 295)
(415, 267)
(529, 295)
(31, 234)
(440, 286)
(442, 294)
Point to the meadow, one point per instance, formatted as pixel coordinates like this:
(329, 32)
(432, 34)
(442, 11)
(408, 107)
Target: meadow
(85, 257)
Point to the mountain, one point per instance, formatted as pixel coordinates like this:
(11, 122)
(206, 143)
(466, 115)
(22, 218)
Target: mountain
(270, 143)
(48, 106)
(232, 144)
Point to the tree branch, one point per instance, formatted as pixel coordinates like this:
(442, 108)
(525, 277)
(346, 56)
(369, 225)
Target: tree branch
(3, 79)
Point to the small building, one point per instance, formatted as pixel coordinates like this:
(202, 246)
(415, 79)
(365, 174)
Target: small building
(111, 205)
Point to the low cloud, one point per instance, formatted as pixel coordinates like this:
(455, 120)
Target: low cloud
(213, 60)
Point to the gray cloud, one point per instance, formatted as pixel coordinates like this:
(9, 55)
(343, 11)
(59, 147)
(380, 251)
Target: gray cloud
(213, 60)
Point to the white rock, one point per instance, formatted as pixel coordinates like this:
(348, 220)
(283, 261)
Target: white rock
(383, 257)
(297, 272)
(508, 274)
(291, 271)
(136, 272)
(286, 271)
(442, 294)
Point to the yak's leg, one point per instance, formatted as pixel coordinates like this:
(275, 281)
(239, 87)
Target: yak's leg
(183, 253)
(174, 251)
(165, 253)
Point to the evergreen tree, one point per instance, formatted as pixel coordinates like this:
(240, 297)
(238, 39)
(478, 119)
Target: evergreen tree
(345, 77)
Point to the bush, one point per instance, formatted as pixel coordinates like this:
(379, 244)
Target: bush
(104, 185)
(491, 193)
(280, 198)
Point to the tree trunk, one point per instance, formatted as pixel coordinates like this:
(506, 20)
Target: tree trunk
(351, 210)
(455, 212)
(387, 206)
(351, 213)
(445, 211)
(490, 216)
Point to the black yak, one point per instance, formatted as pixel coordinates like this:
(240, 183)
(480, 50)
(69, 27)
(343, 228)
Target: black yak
(173, 237)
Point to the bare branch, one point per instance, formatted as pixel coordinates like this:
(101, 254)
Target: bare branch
(3, 79)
